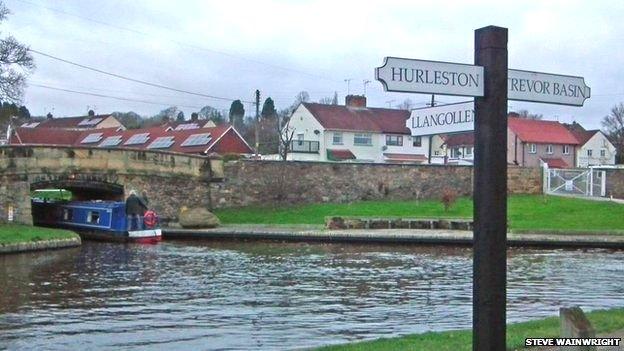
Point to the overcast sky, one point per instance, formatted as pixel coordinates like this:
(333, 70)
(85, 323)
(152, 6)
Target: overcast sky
(230, 48)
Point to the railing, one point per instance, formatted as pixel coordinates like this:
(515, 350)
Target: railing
(304, 146)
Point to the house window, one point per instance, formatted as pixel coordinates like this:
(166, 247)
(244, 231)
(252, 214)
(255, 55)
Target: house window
(549, 149)
(532, 148)
(300, 137)
(337, 139)
(417, 141)
(394, 140)
(590, 152)
(455, 152)
(365, 139)
(603, 152)
(67, 214)
(93, 217)
(469, 151)
(566, 149)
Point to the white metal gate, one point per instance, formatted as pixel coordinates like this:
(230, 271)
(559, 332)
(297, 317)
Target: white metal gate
(575, 181)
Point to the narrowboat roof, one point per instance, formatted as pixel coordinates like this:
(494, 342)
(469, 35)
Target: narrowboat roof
(96, 204)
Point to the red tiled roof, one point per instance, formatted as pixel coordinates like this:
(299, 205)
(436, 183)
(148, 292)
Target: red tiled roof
(340, 155)
(44, 136)
(555, 162)
(459, 139)
(53, 136)
(71, 122)
(538, 131)
(580, 133)
(405, 157)
(380, 120)
(583, 136)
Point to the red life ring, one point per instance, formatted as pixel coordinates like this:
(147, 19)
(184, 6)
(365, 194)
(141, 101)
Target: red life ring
(150, 219)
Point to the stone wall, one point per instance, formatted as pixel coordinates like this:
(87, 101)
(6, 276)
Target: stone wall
(274, 182)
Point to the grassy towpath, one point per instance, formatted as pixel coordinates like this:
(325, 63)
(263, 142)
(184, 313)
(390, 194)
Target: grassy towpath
(525, 213)
(15, 233)
(605, 321)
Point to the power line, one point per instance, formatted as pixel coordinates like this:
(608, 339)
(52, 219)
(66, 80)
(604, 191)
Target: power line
(111, 97)
(128, 78)
(177, 42)
(99, 89)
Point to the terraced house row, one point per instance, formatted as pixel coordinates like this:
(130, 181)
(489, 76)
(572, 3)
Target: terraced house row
(357, 133)
(199, 137)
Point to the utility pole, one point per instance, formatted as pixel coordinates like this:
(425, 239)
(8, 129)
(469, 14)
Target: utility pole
(257, 133)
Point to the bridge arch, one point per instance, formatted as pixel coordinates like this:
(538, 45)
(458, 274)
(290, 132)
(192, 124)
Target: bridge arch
(170, 180)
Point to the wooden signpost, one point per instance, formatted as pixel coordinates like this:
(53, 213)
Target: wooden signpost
(491, 83)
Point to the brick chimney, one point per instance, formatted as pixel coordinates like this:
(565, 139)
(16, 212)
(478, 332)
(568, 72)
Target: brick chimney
(355, 101)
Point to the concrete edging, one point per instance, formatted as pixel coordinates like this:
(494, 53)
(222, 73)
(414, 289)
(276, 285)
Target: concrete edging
(40, 245)
(397, 236)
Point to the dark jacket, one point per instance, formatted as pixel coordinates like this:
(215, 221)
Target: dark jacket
(135, 206)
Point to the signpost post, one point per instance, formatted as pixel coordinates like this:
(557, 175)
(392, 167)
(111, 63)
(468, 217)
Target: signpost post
(490, 194)
(491, 83)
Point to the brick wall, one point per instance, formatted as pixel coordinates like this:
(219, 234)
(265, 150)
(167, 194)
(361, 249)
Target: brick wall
(274, 182)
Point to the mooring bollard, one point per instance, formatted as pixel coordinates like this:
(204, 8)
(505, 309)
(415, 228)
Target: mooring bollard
(574, 324)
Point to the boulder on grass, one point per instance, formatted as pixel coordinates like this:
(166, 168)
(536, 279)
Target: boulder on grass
(197, 217)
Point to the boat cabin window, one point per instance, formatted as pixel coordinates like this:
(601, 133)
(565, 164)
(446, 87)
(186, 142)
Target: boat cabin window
(68, 214)
(93, 217)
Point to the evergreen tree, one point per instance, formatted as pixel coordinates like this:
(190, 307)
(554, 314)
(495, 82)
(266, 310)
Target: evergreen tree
(180, 117)
(268, 109)
(237, 115)
(23, 112)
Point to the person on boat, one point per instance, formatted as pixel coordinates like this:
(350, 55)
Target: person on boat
(135, 208)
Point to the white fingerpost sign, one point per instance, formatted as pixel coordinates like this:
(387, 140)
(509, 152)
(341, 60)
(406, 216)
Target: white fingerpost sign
(547, 88)
(430, 77)
(449, 118)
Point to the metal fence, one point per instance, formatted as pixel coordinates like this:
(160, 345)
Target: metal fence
(582, 182)
(306, 146)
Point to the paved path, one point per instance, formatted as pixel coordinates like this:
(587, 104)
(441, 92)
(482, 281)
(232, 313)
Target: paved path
(412, 236)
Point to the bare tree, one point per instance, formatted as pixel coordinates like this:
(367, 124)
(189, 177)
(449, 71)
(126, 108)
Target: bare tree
(407, 104)
(613, 126)
(326, 100)
(16, 63)
(526, 115)
(286, 136)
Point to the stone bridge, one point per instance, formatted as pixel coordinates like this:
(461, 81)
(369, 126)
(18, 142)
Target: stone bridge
(169, 180)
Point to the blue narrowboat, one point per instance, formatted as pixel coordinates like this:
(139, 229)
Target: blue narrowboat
(100, 220)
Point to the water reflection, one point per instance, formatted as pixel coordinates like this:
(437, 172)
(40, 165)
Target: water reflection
(242, 295)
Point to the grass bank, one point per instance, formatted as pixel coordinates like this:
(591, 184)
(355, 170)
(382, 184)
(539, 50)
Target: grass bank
(525, 213)
(15, 233)
(604, 321)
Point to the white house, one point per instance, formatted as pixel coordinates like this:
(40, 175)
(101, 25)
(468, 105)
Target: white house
(353, 133)
(454, 149)
(594, 147)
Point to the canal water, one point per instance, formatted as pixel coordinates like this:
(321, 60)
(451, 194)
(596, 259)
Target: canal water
(265, 295)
